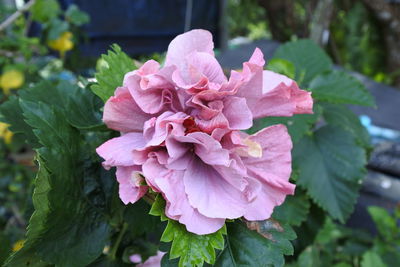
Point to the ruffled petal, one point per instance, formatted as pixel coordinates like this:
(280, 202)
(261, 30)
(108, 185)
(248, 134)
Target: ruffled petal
(118, 151)
(121, 113)
(187, 43)
(130, 188)
(210, 194)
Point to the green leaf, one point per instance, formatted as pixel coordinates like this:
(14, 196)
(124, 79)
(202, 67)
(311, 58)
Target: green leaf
(192, 249)
(245, 247)
(372, 259)
(339, 87)
(331, 167)
(310, 257)
(139, 220)
(11, 113)
(282, 66)
(56, 27)
(68, 226)
(308, 58)
(5, 248)
(111, 76)
(294, 210)
(76, 16)
(157, 209)
(298, 125)
(341, 116)
(385, 223)
(45, 10)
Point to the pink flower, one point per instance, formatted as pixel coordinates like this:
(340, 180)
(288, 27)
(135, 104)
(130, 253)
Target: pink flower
(153, 261)
(181, 135)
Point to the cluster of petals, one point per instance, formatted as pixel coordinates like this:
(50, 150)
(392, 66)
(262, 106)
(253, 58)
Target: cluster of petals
(181, 128)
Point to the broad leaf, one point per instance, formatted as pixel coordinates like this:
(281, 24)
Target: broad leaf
(298, 125)
(69, 205)
(340, 88)
(341, 116)
(45, 10)
(282, 66)
(192, 249)
(385, 223)
(308, 58)
(331, 168)
(109, 77)
(294, 210)
(245, 247)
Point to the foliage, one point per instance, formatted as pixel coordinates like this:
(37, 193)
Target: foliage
(74, 212)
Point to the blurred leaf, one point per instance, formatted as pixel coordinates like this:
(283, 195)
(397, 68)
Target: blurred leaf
(139, 220)
(245, 247)
(192, 249)
(310, 257)
(45, 10)
(5, 248)
(282, 66)
(76, 16)
(308, 58)
(331, 167)
(341, 116)
(111, 76)
(371, 259)
(385, 223)
(294, 210)
(340, 88)
(56, 28)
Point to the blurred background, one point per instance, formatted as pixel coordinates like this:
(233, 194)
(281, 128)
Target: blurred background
(63, 39)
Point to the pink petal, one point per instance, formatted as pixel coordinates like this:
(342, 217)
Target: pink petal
(153, 261)
(130, 189)
(118, 151)
(210, 194)
(170, 184)
(271, 94)
(237, 113)
(184, 44)
(121, 113)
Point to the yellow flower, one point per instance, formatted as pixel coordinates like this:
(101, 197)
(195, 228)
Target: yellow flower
(18, 245)
(63, 43)
(5, 133)
(11, 79)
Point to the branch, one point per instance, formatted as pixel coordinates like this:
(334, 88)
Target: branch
(16, 15)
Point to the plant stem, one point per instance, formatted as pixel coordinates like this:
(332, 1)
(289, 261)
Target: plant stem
(16, 15)
(113, 252)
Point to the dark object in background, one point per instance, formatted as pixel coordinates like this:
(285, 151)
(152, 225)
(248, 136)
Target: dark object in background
(142, 26)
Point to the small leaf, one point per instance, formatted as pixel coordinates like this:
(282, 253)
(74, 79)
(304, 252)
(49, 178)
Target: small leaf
(386, 224)
(331, 167)
(192, 249)
(76, 16)
(245, 247)
(157, 209)
(372, 259)
(308, 58)
(340, 88)
(110, 77)
(45, 10)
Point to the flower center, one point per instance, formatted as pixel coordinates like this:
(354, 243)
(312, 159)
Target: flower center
(190, 126)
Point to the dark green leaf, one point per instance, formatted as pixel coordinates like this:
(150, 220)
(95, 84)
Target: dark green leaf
(294, 210)
(11, 113)
(340, 88)
(331, 167)
(245, 247)
(109, 77)
(308, 58)
(385, 223)
(139, 220)
(76, 16)
(298, 125)
(341, 116)
(56, 27)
